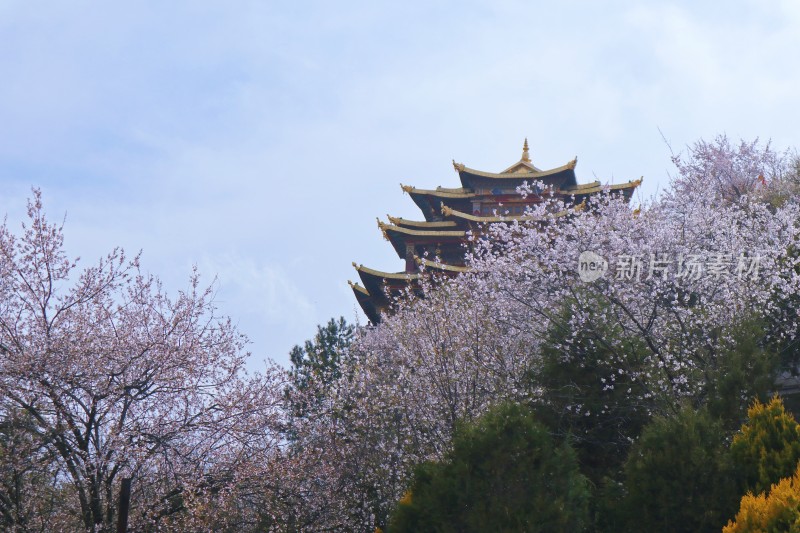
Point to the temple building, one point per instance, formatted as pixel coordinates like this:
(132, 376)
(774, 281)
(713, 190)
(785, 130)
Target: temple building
(438, 243)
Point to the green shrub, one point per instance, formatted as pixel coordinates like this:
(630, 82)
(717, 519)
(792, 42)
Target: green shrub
(678, 475)
(504, 473)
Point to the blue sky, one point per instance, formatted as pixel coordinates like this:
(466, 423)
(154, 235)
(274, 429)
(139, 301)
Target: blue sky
(259, 140)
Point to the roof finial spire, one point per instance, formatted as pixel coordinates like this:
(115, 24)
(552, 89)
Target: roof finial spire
(525, 155)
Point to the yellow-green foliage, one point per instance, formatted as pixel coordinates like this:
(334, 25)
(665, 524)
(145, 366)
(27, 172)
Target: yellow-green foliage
(767, 447)
(778, 511)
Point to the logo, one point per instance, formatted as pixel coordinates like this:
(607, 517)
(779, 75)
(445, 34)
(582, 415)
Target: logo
(591, 266)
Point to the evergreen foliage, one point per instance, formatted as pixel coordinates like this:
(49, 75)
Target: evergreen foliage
(589, 395)
(319, 358)
(317, 364)
(504, 473)
(678, 476)
(745, 369)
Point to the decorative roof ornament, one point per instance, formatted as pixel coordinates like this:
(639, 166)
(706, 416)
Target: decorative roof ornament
(526, 156)
(524, 165)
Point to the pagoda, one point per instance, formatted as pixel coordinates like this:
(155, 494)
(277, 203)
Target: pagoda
(438, 243)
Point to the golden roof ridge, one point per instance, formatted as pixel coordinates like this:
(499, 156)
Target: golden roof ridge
(444, 193)
(359, 288)
(580, 186)
(421, 233)
(632, 184)
(509, 218)
(427, 263)
(387, 275)
(520, 175)
(399, 221)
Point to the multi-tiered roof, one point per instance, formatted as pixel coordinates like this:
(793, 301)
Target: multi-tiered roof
(451, 214)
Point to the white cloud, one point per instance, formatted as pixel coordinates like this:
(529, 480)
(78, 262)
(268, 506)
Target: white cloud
(260, 140)
(264, 300)
(269, 289)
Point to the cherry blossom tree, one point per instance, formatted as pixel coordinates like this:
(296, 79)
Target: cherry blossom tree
(28, 493)
(684, 275)
(118, 380)
(731, 170)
